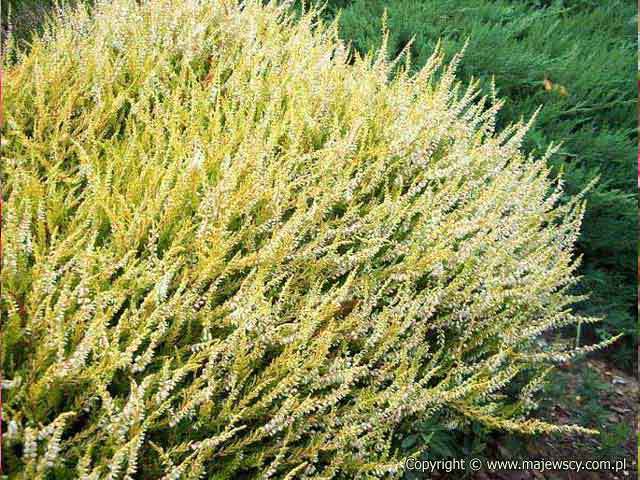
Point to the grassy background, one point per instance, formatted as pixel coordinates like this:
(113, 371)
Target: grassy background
(577, 59)
(23, 16)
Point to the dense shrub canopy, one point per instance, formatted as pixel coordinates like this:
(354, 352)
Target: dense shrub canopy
(574, 57)
(231, 249)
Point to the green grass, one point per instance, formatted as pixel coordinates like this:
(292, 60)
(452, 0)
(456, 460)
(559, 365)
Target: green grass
(586, 51)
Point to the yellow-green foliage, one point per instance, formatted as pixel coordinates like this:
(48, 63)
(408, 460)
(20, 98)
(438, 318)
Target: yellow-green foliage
(229, 250)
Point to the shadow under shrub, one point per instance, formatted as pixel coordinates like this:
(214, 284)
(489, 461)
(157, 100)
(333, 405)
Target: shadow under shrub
(229, 251)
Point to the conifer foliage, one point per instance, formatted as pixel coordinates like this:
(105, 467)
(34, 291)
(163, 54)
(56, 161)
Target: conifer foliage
(234, 250)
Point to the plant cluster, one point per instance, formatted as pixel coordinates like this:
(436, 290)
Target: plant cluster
(231, 249)
(574, 57)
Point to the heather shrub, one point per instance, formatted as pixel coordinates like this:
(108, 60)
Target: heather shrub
(576, 59)
(231, 250)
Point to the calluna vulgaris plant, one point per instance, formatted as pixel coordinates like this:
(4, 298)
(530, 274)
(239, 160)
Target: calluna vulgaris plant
(232, 251)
